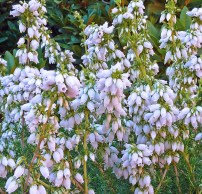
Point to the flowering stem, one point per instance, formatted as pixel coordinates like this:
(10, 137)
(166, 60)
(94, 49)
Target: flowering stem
(75, 181)
(44, 184)
(122, 3)
(190, 169)
(177, 176)
(38, 146)
(85, 150)
(142, 68)
(162, 179)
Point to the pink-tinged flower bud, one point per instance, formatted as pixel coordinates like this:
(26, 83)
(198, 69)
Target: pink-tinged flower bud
(91, 94)
(44, 171)
(31, 32)
(56, 156)
(42, 189)
(157, 149)
(198, 137)
(134, 157)
(35, 58)
(84, 98)
(12, 186)
(153, 134)
(26, 107)
(68, 145)
(59, 79)
(168, 56)
(67, 183)
(147, 180)
(22, 27)
(150, 190)
(51, 144)
(31, 138)
(176, 158)
(24, 58)
(33, 189)
(119, 135)
(154, 107)
(109, 30)
(111, 45)
(174, 146)
(60, 174)
(58, 182)
(92, 137)
(168, 16)
(79, 178)
(36, 100)
(21, 41)
(162, 18)
(156, 114)
(91, 106)
(19, 171)
(11, 163)
(34, 44)
(4, 161)
(67, 172)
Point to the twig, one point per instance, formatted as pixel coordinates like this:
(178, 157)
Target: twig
(177, 177)
(162, 178)
(1, 191)
(38, 146)
(78, 185)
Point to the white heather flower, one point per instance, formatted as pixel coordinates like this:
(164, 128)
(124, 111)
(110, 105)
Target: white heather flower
(31, 32)
(44, 171)
(22, 27)
(42, 189)
(33, 189)
(162, 18)
(198, 137)
(79, 178)
(67, 183)
(19, 171)
(21, 41)
(34, 44)
(12, 186)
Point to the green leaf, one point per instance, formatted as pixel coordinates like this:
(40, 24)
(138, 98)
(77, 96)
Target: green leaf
(57, 2)
(179, 26)
(42, 64)
(185, 19)
(153, 31)
(3, 39)
(90, 19)
(10, 61)
(77, 50)
(69, 28)
(2, 17)
(64, 46)
(62, 37)
(12, 26)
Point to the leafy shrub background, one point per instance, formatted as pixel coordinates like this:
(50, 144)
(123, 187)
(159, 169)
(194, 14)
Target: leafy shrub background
(67, 32)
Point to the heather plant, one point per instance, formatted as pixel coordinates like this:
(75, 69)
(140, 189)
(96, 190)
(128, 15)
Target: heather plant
(112, 115)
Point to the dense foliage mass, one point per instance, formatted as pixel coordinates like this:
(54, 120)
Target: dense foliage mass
(113, 116)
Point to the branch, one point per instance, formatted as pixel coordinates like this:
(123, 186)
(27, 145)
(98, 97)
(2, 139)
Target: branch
(162, 178)
(177, 177)
(75, 181)
(38, 146)
(1, 191)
